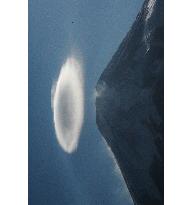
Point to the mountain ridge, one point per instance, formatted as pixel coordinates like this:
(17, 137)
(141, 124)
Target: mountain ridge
(129, 105)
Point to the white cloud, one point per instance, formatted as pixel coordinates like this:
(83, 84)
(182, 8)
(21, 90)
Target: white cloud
(100, 90)
(68, 104)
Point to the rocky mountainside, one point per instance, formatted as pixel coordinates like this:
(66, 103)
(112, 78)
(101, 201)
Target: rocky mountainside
(129, 105)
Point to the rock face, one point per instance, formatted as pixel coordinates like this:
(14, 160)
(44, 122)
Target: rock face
(129, 105)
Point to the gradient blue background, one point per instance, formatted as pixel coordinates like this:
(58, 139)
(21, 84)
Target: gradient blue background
(88, 176)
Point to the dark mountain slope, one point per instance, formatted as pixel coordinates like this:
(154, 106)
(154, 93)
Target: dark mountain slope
(129, 105)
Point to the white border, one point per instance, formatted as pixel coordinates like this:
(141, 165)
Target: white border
(14, 102)
(177, 102)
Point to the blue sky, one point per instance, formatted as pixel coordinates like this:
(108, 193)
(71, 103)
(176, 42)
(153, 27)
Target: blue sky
(95, 29)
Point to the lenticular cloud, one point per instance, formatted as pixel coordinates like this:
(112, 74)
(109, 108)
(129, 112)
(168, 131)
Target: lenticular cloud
(68, 104)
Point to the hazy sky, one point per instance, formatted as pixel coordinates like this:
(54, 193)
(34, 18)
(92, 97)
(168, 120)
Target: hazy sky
(94, 29)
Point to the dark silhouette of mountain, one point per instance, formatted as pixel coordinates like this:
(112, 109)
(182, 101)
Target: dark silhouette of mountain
(129, 105)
